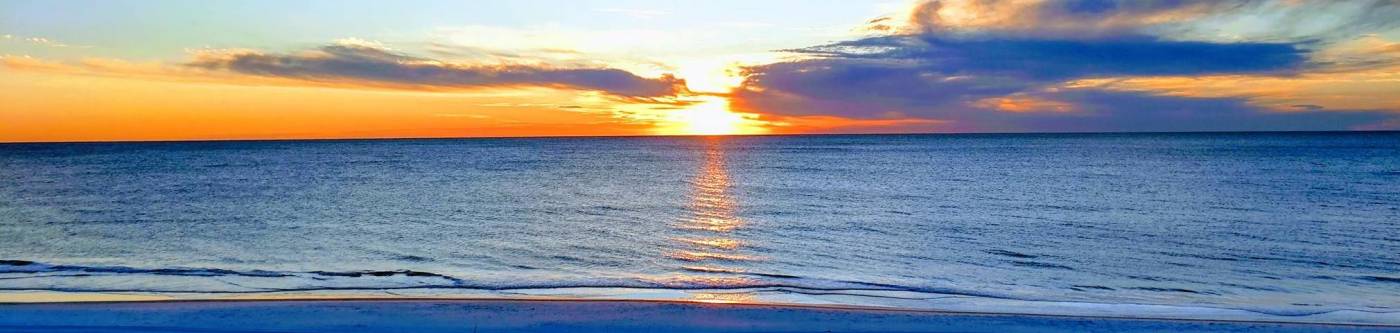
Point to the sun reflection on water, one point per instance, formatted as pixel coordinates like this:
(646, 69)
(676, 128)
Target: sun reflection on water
(705, 244)
(719, 243)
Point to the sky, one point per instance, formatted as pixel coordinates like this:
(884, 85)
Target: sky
(115, 70)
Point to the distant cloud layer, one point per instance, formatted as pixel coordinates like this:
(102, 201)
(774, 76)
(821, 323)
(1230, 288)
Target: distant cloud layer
(985, 65)
(1194, 18)
(362, 64)
(934, 65)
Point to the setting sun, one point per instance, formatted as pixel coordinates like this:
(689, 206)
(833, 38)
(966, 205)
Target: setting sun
(710, 116)
(710, 121)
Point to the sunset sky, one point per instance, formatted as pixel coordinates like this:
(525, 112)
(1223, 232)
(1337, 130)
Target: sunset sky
(193, 70)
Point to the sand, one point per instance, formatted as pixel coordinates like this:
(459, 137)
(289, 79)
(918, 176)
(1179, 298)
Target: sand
(495, 315)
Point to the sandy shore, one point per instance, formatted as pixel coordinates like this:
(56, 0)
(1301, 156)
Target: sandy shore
(465, 315)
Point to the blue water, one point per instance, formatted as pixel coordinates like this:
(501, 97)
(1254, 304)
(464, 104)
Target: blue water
(1287, 222)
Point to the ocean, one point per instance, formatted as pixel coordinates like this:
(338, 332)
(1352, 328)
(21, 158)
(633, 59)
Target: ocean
(1284, 224)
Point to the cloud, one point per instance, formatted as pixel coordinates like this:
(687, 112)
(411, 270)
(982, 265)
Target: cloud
(1019, 103)
(358, 64)
(1321, 21)
(1065, 58)
(106, 67)
(361, 63)
(41, 41)
(1052, 18)
(1372, 89)
(1137, 112)
(989, 65)
(28, 63)
(1279, 20)
(832, 124)
(938, 77)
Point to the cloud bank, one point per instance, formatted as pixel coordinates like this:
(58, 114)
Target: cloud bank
(369, 65)
(1005, 65)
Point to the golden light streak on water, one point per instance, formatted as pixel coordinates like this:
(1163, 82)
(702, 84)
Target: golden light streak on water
(706, 235)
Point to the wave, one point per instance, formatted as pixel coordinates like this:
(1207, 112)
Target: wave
(23, 275)
(266, 281)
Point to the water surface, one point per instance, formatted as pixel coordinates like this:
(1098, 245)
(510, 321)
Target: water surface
(1284, 223)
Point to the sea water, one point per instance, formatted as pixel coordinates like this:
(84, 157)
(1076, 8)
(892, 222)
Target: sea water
(1281, 223)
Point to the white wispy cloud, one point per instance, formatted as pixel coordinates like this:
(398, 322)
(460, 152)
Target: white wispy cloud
(42, 41)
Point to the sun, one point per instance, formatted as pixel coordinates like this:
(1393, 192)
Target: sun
(709, 121)
(706, 111)
(710, 116)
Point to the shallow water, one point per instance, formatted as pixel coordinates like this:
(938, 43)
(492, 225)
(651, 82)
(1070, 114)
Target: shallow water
(1281, 223)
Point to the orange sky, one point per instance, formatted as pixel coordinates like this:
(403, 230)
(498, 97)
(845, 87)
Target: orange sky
(167, 70)
(60, 103)
(61, 107)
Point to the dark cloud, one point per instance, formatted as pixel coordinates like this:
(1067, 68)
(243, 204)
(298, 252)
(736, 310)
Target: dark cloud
(374, 66)
(938, 77)
(1102, 111)
(990, 74)
(1051, 59)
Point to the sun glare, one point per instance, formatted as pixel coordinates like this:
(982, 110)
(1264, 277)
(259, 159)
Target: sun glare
(709, 76)
(711, 116)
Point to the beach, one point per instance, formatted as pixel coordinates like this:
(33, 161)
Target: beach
(478, 315)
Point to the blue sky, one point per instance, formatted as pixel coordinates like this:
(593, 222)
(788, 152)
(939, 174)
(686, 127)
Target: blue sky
(163, 28)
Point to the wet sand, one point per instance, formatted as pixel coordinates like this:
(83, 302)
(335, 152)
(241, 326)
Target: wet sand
(487, 315)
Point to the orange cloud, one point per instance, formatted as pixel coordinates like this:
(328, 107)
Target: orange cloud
(25, 63)
(1021, 104)
(1359, 74)
(152, 71)
(835, 124)
(1365, 90)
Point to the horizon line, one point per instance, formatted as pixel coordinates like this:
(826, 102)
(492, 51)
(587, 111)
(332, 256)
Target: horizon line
(412, 138)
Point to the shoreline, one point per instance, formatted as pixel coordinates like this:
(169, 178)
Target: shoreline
(541, 314)
(1129, 312)
(834, 307)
